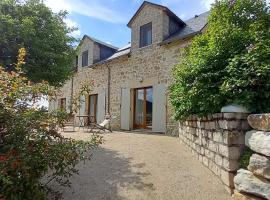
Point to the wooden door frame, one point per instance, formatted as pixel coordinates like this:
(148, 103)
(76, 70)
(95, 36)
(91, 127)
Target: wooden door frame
(95, 106)
(144, 126)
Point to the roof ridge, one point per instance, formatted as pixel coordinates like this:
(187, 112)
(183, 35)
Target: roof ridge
(101, 42)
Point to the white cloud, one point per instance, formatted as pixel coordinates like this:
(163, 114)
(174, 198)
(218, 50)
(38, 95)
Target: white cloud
(91, 8)
(207, 3)
(72, 24)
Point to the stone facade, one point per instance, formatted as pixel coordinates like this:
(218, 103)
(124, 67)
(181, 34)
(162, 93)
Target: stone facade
(146, 67)
(217, 141)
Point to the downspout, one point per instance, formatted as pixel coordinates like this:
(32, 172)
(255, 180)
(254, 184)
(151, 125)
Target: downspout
(109, 90)
(71, 95)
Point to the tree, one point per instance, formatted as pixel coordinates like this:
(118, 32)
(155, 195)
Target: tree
(30, 145)
(44, 35)
(227, 64)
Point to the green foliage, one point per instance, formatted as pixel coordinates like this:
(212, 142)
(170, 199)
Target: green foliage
(227, 64)
(245, 156)
(30, 145)
(43, 33)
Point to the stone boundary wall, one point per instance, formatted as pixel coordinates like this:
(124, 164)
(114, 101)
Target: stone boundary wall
(254, 183)
(217, 141)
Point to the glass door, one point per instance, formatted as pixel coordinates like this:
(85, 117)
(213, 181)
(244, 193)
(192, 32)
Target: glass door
(93, 107)
(143, 107)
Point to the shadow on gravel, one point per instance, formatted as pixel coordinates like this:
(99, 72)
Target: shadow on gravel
(104, 175)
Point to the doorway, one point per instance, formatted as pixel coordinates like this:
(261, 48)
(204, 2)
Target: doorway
(92, 109)
(143, 108)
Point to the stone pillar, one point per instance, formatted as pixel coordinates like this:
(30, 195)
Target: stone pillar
(254, 183)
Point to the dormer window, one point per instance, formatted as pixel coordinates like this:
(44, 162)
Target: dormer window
(85, 58)
(146, 35)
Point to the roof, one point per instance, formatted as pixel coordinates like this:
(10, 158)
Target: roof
(164, 8)
(193, 27)
(125, 50)
(99, 42)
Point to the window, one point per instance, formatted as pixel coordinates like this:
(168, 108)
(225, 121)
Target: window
(146, 35)
(62, 104)
(85, 58)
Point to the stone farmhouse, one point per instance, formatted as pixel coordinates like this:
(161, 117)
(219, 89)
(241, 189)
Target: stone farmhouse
(131, 83)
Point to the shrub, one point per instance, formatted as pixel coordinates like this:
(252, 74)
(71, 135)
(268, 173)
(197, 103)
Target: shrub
(30, 144)
(245, 157)
(227, 64)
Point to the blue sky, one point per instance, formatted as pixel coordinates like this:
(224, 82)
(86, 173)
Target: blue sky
(107, 20)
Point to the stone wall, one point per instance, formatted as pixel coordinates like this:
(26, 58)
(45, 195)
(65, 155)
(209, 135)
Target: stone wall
(217, 141)
(254, 183)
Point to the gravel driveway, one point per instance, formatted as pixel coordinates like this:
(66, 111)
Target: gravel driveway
(132, 165)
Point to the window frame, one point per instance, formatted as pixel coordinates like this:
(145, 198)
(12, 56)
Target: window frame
(143, 34)
(85, 53)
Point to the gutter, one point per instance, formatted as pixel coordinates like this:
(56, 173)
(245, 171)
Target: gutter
(174, 39)
(108, 89)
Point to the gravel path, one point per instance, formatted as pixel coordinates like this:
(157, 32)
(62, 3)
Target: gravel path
(136, 166)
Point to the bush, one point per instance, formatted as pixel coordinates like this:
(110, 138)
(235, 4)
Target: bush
(227, 64)
(245, 157)
(30, 144)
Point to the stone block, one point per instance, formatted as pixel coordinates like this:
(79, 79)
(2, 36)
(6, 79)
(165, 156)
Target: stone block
(206, 125)
(234, 137)
(202, 151)
(214, 167)
(229, 152)
(227, 178)
(260, 165)
(213, 146)
(217, 116)
(260, 122)
(230, 165)
(205, 161)
(204, 141)
(229, 116)
(258, 141)
(210, 135)
(212, 125)
(230, 125)
(239, 196)
(217, 136)
(246, 182)
(218, 159)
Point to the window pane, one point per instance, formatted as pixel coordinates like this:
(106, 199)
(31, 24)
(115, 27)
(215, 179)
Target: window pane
(149, 106)
(146, 35)
(85, 58)
(139, 107)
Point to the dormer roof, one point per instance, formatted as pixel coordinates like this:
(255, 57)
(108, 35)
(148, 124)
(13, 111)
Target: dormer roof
(164, 8)
(98, 41)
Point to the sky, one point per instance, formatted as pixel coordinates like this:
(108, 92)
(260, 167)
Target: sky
(107, 20)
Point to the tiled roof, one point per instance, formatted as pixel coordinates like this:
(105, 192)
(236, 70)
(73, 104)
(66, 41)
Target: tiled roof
(125, 50)
(193, 27)
(99, 42)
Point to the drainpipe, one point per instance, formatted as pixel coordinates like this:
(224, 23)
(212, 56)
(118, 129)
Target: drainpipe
(71, 95)
(109, 90)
